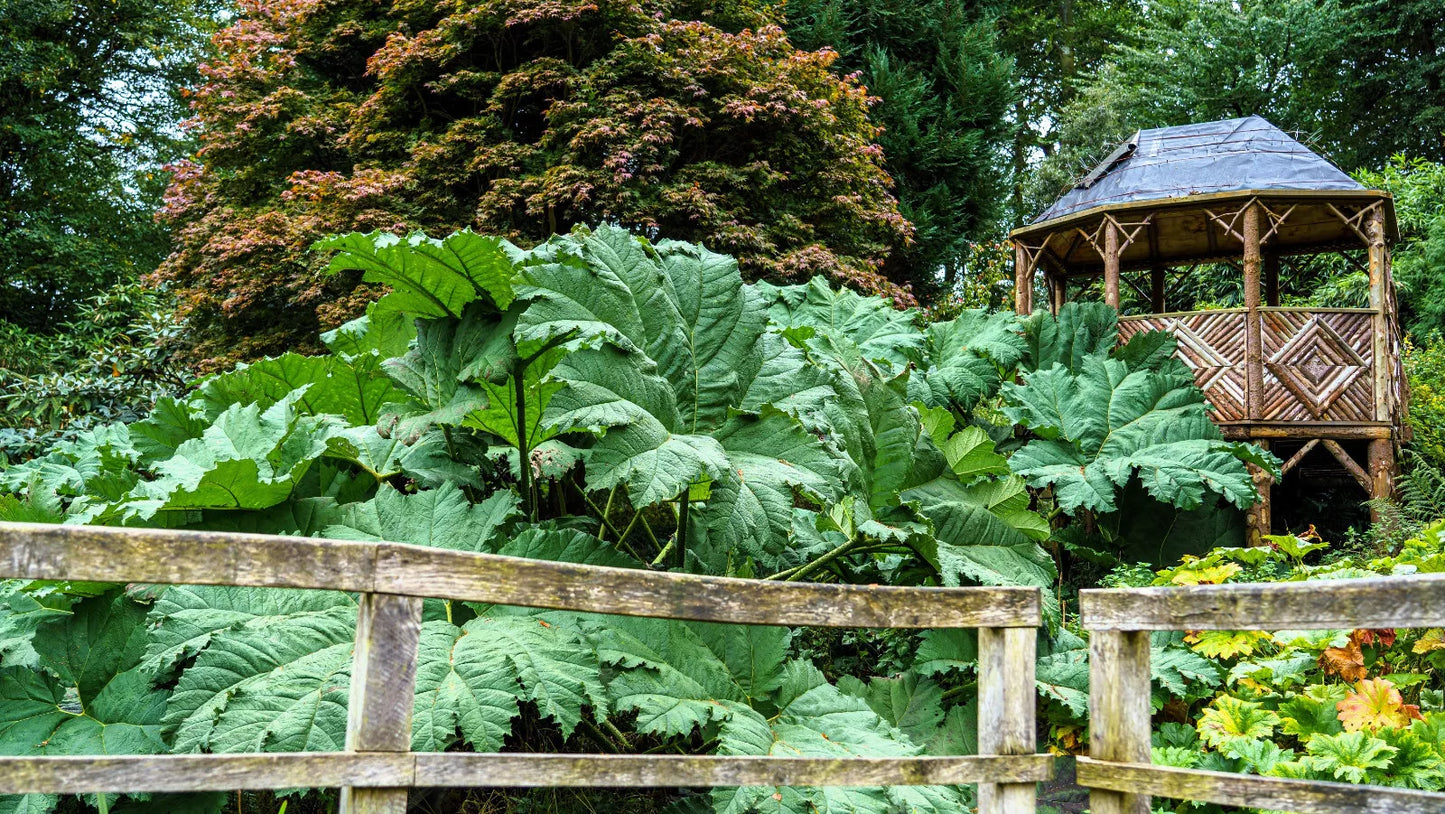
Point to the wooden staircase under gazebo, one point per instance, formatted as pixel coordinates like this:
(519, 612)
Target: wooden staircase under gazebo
(1241, 197)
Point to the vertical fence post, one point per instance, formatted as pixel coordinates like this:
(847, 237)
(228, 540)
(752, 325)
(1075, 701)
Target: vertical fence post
(1006, 712)
(1118, 711)
(383, 684)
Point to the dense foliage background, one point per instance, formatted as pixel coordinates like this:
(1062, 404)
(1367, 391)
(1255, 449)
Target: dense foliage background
(363, 268)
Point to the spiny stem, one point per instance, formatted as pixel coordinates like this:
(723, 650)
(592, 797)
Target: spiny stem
(616, 733)
(647, 527)
(662, 555)
(602, 738)
(524, 462)
(606, 512)
(681, 557)
(809, 568)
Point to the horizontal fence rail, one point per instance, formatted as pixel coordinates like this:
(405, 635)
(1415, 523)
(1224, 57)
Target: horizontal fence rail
(1346, 604)
(1274, 793)
(1118, 770)
(174, 773)
(99, 554)
(377, 768)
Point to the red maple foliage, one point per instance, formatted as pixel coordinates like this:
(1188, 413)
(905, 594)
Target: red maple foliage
(513, 117)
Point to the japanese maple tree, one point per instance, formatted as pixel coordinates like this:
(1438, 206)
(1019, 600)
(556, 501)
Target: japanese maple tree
(513, 117)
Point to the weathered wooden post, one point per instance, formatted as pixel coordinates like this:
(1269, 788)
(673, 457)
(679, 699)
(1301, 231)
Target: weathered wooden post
(1023, 282)
(1118, 711)
(1258, 520)
(1382, 450)
(1111, 263)
(1157, 280)
(383, 687)
(1006, 712)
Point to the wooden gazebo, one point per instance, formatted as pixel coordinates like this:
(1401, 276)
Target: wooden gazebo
(1241, 197)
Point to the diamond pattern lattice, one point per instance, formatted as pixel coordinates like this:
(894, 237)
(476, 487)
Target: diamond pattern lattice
(1317, 364)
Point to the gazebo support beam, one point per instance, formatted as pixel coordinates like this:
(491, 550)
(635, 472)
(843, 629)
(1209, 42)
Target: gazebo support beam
(1271, 279)
(1259, 516)
(1111, 263)
(1381, 456)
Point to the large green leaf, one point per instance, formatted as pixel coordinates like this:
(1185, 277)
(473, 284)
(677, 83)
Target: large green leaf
(274, 683)
(471, 679)
(961, 360)
(184, 619)
(846, 320)
(354, 390)
(434, 372)
(773, 458)
(248, 459)
(439, 518)
(1081, 330)
(88, 698)
(721, 322)
(1104, 425)
(428, 277)
(817, 719)
(645, 445)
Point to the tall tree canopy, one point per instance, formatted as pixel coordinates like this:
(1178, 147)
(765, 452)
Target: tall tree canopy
(521, 117)
(946, 89)
(1360, 79)
(88, 111)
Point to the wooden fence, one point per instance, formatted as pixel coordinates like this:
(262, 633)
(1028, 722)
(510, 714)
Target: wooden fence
(377, 767)
(1120, 621)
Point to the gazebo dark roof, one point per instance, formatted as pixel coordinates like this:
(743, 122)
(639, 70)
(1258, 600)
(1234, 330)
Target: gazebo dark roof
(1198, 159)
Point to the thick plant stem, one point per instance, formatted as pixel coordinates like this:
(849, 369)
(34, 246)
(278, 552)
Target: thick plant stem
(606, 511)
(680, 555)
(602, 738)
(524, 455)
(795, 574)
(662, 555)
(647, 527)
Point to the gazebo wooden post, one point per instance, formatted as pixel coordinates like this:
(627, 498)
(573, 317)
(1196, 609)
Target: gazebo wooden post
(1382, 450)
(1111, 263)
(1157, 282)
(1023, 282)
(1271, 279)
(1259, 520)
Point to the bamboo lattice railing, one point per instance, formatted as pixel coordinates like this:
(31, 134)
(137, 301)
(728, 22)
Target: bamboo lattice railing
(1118, 768)
(377, 767)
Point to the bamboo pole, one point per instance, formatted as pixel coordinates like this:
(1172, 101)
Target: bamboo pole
(1381, 454)
(1111, 263)
(1157, 280)
(1253, 340)
(1258, 519)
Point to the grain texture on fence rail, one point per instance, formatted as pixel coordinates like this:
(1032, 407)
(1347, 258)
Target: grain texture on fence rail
(375, 770)
(34, 551)
(1416, 601)
(1253, 791)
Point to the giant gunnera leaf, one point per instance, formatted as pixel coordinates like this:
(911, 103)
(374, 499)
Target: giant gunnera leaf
(86, 695)
(1105, 424)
